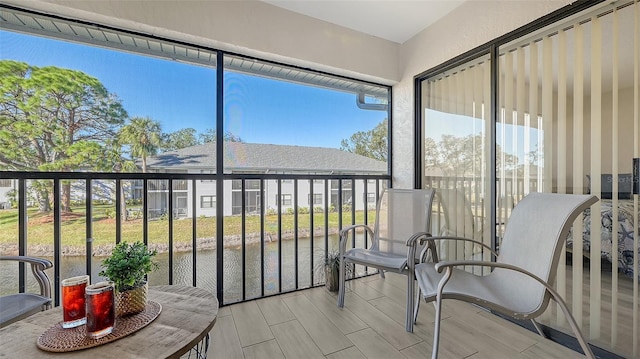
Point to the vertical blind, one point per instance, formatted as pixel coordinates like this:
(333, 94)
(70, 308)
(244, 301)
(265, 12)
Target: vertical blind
(457, 122)
(569, 123)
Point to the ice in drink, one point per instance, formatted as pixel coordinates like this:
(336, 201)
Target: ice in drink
(73, 306)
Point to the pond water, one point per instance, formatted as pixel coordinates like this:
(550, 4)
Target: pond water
(206, 265)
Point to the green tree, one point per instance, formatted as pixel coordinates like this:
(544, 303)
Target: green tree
(54, 119)
(143, 136)
(372, 143)
(462, 156)
(210, 136)
(431, 158)
(183, 138)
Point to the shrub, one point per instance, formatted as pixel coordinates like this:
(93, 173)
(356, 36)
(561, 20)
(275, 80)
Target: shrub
(271, 212)
(110, 212)
(128, 265)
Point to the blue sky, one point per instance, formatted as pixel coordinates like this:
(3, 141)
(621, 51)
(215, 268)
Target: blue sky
(179, 95)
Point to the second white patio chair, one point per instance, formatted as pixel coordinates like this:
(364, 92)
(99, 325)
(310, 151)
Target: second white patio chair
(403, 216)
(521, 283)
(14, 307)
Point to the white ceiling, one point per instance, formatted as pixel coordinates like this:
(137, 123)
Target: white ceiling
(393, 20)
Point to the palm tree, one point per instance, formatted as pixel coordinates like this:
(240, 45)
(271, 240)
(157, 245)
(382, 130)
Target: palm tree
(143, 136)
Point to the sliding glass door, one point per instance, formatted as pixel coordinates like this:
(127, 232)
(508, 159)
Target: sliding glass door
(568, 99)
(559, 112)
(456, 152)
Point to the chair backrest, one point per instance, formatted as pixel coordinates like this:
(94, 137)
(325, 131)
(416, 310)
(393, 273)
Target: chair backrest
(533, 240)
(400, 214)
(456, 213)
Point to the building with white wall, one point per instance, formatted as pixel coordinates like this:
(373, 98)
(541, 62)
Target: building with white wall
(242, 158)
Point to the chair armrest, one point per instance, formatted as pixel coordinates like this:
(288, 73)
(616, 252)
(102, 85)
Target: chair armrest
(419, 237)
(459, 239)
(412, 244)
(344, 233)
(448, 266)
(38, 266)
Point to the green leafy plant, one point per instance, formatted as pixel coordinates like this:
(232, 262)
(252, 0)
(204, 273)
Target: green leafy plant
(110, 213)
(329, 268)
(128, 265)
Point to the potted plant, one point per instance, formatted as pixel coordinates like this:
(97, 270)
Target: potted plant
(330, 268)
(126, 268)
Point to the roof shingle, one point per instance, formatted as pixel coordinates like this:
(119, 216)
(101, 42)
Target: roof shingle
(240, 156)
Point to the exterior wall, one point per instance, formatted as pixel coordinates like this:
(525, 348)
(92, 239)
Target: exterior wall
(5, 187)
(158, 199)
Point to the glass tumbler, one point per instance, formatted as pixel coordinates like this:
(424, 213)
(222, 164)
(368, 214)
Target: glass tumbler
(101, 311)
(73, 306)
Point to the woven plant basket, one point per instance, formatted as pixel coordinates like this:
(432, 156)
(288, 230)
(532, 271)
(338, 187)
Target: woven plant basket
(131, 301)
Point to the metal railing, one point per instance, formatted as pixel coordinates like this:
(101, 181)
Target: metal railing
(274, 249)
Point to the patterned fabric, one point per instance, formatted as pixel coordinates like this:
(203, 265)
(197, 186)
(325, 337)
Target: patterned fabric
(625, 234)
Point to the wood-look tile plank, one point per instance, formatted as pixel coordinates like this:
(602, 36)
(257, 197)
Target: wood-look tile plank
(224, 311)
(467, 331)
(342, 318)
(224, 341)
(382, 287)
(349, 353)
(451, 345)
(423, 328)
(392, 331)
(274, 310)
(477, 340)
(372, 345)
(549, 349)
(374, 276)
(395, 279)
(363, 289)
(505, 332)
(265, 350)
(252, 327)
(447, 351)
(323, 332)
(459, 309)
(294, 341)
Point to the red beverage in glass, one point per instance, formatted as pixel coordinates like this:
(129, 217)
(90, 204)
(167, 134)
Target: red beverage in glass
(101, 309)
(73, 306)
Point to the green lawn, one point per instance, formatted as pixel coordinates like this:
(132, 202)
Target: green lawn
(73, 229)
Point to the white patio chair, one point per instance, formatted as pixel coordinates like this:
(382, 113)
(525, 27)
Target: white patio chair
(402, 217)
(453, 216)
(520, 284)
(14, 307)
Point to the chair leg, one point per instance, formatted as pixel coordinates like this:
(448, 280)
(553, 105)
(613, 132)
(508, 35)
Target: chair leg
(438, 304)
(409, 310)
(417, 306)
(436, 331)
(341, 283)
(538, 328)
(574, 326)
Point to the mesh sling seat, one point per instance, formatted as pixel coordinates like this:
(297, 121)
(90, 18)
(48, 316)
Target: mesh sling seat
(15, 307)
(520, 285)
(402, 217)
